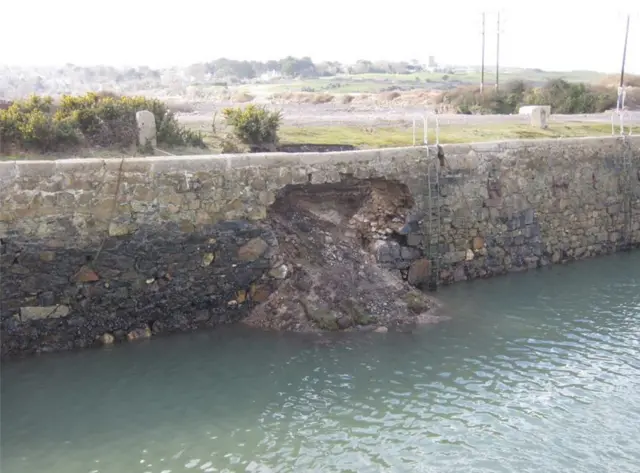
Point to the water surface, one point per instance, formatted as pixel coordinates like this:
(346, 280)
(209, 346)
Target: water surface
(537, 372)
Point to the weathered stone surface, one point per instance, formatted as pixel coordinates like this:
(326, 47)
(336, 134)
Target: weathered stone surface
(107, 339)
(252, 250)
(207, 259)
(477, 243)
(146, 128)
(539, 117)
(139, 333)
(86, 274)
(279, 272)
(45, 312)
(47, 256)
(419, 272)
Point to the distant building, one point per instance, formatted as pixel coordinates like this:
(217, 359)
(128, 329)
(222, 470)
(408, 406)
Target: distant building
(432, 62)
(269, 75)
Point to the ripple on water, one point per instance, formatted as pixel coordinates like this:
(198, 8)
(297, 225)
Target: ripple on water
(534, 374)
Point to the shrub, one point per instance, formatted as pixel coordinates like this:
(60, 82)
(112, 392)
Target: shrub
(345, 99)
(102, 119)
(562, 96)
(30, 124)
(570, 98)
(318, 99)
(253, 125)
(389, 96)
(242, 97)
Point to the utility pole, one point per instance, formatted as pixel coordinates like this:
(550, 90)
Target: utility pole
(482, 67)
(624, 52)
(624, 60)
(498, 55)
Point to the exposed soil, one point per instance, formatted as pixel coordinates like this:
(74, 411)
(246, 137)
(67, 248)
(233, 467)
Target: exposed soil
(332, 279)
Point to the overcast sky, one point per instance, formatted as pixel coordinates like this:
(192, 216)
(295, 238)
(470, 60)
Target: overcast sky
(548, 34)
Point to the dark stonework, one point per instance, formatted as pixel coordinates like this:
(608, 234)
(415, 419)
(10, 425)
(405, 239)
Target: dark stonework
(156, 277)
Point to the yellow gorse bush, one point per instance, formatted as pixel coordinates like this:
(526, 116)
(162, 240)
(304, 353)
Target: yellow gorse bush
(93, 119)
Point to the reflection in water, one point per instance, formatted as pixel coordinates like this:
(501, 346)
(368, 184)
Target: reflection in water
(538, 372)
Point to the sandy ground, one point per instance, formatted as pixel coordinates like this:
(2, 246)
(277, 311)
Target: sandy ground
(345, 115)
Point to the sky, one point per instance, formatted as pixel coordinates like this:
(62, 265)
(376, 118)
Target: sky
(547, 34)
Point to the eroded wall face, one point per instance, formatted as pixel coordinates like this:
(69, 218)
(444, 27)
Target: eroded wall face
(127, 248)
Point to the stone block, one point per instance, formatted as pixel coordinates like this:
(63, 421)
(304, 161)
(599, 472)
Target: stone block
(386, 251)
(419, 272)
(539, 117)
(477, 243)
(252, 250)
(43, 312)
(147, 134)
(414, 239)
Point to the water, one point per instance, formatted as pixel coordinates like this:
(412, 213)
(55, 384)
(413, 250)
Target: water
(538, 372)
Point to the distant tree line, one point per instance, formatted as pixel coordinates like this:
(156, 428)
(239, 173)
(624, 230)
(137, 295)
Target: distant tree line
(299, 67)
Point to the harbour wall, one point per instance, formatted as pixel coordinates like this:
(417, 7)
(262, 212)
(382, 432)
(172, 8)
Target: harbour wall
(96, 250)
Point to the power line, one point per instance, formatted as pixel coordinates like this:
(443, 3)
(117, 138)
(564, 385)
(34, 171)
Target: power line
(482, 67)
(498, 54)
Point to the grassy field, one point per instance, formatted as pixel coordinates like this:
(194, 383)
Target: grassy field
(366, 137)
(398, 136)
(384, 137)
(505, 74)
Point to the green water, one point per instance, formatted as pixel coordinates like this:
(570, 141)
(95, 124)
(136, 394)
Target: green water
(537, 372)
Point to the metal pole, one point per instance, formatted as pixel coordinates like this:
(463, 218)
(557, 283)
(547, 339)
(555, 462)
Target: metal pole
(482, 68)
(619, 103)
(624, 52)
(498, 55)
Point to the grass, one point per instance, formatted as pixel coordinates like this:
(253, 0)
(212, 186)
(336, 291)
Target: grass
(379, 137)
(386, 137)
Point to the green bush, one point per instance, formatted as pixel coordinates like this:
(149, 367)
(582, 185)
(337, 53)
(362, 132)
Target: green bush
(30, 124)
(562, 96)
(253, 125)
(104, 120)
(571, 98)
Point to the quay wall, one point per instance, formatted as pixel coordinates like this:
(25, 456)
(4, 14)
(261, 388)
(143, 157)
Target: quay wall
(126, 248)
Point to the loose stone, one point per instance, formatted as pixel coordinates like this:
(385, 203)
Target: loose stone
(107, 339)
(279, 272)
(139, 333)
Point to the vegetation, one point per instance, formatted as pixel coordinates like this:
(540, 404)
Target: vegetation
(563, 97)
(401, 134)
(221, 78)
(95, 120)
(254, 126)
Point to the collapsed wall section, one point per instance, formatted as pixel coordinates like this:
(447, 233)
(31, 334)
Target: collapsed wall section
(117, 249)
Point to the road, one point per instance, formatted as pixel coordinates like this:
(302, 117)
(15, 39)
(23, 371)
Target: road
(344, 115)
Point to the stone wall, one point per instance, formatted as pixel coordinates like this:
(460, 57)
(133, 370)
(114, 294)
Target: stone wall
(125, 248)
